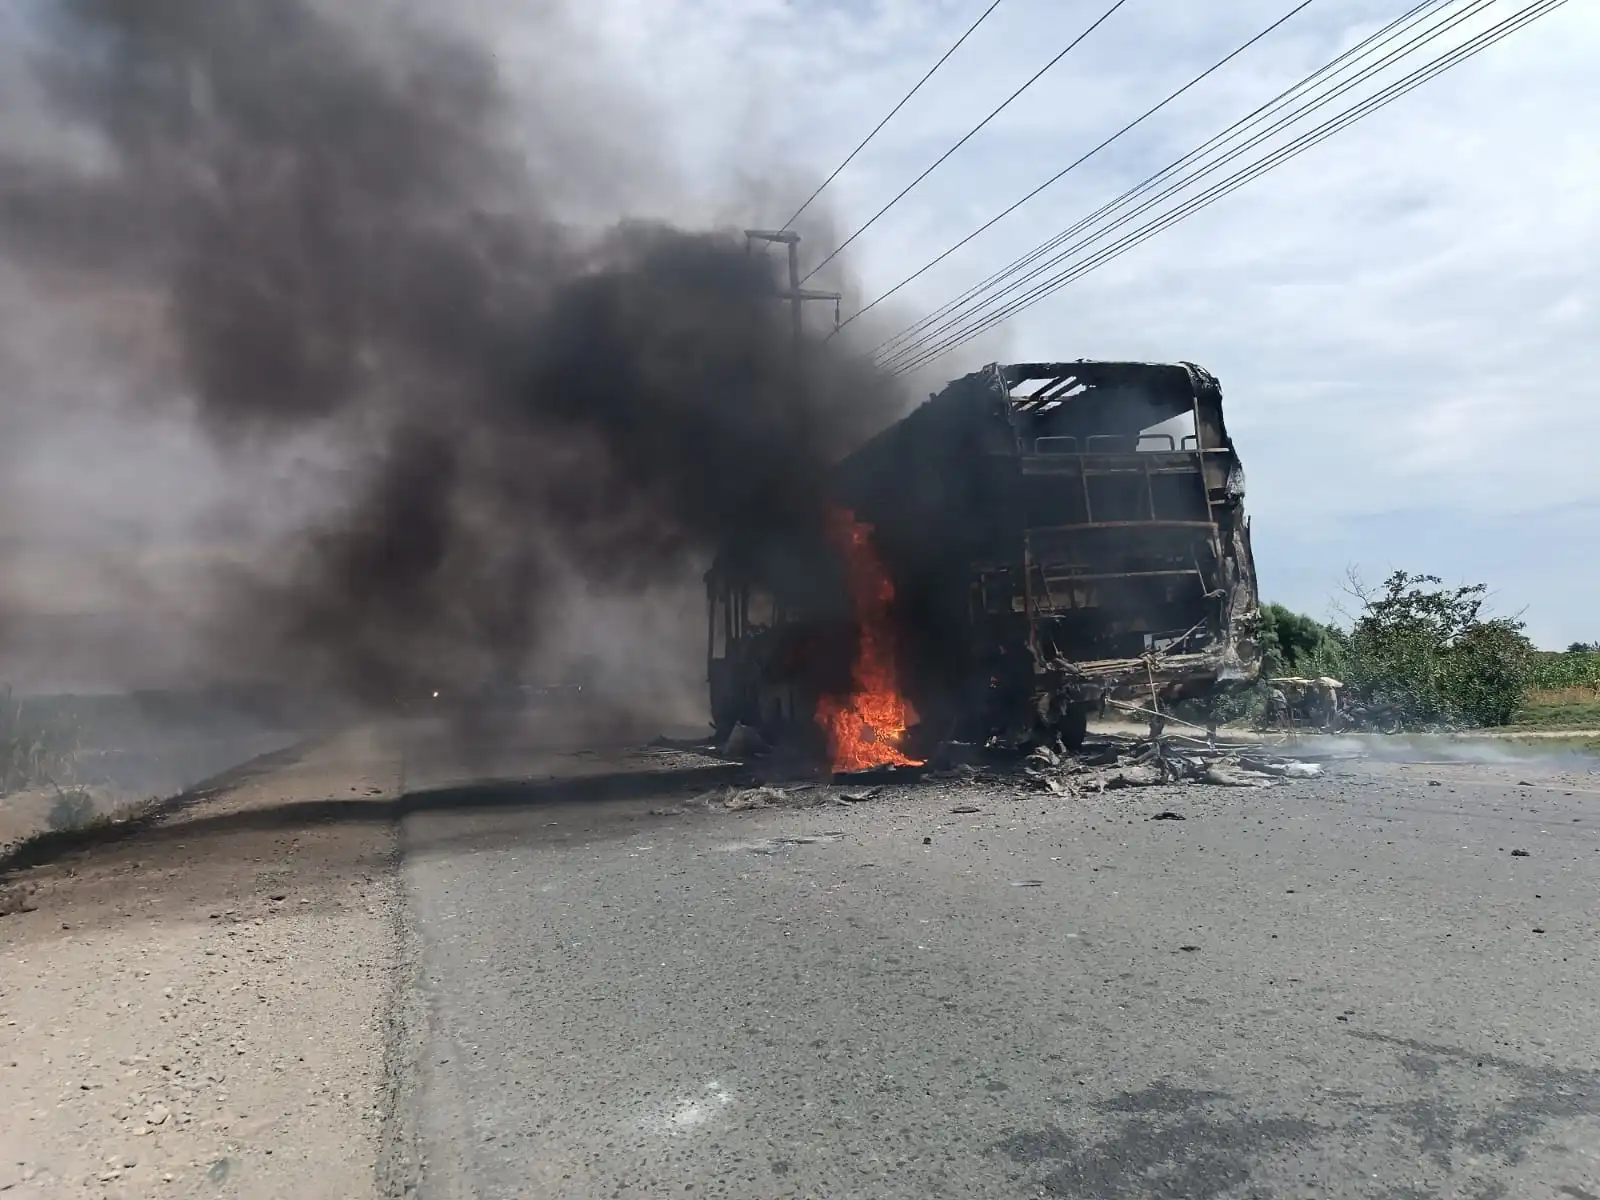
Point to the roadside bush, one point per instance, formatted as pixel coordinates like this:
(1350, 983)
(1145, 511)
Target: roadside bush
(1415, 650)
(1488, 672)
(1430, 653)
(71, 810)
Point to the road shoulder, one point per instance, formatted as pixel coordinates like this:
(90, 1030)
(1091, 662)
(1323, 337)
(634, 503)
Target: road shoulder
(202, 1008)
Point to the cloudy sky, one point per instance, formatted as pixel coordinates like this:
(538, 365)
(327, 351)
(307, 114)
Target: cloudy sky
(1404, 319)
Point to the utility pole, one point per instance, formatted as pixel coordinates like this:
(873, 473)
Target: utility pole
(796, 295)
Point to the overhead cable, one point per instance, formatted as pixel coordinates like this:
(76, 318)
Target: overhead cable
(1365, 107)
(1296, 94)
(848, 158)
(1079, 161)
(965, 138)
(1450, 20)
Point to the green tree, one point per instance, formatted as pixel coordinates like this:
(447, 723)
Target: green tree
(1430, 652)
(1295, 644)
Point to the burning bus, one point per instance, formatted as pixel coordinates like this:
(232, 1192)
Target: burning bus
(1033, 541)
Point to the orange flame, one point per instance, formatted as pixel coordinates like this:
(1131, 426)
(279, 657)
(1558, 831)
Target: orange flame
(866, 728)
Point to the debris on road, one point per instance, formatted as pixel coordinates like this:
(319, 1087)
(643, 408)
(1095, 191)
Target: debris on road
(744, 799)
(798, 795)
(860, 797)
(1104, 763)
(1135, 776)
(1117, 763)
(1223, 775)
(1169, 816)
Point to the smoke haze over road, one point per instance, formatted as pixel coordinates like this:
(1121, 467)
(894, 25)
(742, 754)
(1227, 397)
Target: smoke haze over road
(422, 400)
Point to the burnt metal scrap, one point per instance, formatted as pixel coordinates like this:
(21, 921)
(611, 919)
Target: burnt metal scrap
(1106, 764)
(1146, 762)
(1060, 536)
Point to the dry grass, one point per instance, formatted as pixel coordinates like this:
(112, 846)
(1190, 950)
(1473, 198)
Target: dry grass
(39, 743)
(1558, 697)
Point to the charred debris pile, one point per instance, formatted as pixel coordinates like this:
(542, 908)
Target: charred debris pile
(780, 776)
(1104, 763)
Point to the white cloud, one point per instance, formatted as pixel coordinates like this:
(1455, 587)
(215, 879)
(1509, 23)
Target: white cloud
(1404, 318)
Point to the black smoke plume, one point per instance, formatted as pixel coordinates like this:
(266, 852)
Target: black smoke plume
(352, 245)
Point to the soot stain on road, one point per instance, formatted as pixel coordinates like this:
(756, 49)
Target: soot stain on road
(1507, 1129)
(1172, 1144)
(1182, 1142)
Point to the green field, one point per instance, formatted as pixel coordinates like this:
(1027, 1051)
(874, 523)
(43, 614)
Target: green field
(1559, 708)
(1566, 669)
(1564, 693)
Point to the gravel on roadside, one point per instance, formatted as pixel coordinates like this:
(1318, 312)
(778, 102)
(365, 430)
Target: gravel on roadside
(201, 1008)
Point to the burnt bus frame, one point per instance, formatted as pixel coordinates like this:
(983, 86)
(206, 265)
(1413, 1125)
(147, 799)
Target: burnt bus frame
(1049, 617)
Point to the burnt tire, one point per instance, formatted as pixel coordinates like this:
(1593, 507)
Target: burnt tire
(1074, 728)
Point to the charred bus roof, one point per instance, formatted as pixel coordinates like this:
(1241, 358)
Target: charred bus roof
(1007, 408)
(1175, 384)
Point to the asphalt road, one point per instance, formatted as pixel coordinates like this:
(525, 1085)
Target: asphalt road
(1347, 986)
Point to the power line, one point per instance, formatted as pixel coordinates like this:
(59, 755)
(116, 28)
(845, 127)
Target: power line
(1078, 162)
(932, 347)
(919, 329)
(966, 137)
(849, 157)
(933, 336)
(1356, 112)
(1284, 105)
